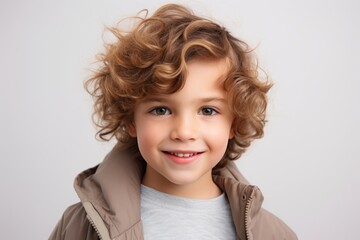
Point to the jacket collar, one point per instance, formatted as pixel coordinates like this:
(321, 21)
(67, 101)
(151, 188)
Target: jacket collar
(113, 189)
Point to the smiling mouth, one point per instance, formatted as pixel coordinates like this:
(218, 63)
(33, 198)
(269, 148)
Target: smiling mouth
(182, 155)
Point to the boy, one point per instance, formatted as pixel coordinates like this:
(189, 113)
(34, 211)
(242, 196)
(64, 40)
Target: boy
(182, 97)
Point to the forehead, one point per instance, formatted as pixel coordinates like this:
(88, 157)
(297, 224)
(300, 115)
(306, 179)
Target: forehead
(206, 72)
(216, 66)
(204, 76)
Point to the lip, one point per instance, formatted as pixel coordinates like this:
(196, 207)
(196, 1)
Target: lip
(182, 157)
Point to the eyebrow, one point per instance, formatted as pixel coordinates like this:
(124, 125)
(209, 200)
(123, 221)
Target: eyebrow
(152, 99)
(202, 100)
(213, 99)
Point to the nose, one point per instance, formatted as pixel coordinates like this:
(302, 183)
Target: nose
(184, 128)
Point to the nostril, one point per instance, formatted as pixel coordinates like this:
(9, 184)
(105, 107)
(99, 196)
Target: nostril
(183, 134)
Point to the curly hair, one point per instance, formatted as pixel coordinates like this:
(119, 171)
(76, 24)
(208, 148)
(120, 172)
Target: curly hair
(152, 59)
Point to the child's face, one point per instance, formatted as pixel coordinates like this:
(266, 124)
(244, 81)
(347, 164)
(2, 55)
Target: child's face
(182, 136)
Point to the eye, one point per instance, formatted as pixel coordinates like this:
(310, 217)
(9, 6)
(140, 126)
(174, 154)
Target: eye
(160, 111)
(208, 111)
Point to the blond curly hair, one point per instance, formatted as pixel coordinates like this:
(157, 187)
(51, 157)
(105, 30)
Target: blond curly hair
(152, 59)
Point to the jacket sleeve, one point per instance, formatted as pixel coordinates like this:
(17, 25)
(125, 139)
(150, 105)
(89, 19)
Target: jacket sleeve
(74, 225)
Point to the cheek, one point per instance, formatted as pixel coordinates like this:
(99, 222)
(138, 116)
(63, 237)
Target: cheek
(148, 135)
(218, 137)
(220, 130)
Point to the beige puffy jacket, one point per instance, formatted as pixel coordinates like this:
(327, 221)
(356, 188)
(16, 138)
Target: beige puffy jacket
(110, 204)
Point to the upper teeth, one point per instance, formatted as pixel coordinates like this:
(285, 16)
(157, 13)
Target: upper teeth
(183, 154)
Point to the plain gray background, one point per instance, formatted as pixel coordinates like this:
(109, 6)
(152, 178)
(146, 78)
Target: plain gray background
(307, 165)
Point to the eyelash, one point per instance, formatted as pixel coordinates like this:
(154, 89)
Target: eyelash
(166, 111)
(156, 109)
(213, 111)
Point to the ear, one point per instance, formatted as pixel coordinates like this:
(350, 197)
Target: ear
(132, 130)
(231, 133)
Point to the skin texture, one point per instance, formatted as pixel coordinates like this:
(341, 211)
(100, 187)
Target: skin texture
(195, 123)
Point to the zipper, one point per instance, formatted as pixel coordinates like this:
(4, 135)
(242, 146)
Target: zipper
(247, 210)
(94, 226)
(96, 221)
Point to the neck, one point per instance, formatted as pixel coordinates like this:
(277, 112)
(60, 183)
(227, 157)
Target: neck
(203, 188)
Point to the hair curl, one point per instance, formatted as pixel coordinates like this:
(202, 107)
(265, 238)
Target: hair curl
(152, 59)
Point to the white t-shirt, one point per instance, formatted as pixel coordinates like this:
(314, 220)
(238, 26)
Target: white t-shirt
(166, 216)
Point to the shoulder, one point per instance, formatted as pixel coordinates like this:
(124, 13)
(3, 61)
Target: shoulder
(246, 205)
(74, 225)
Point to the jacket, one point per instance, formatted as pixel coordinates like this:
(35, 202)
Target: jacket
(110, 203)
